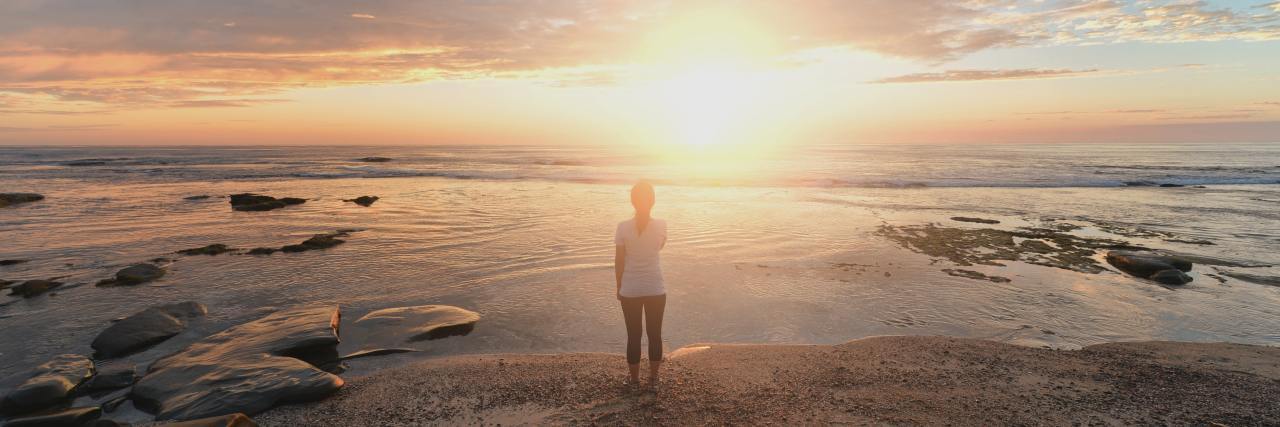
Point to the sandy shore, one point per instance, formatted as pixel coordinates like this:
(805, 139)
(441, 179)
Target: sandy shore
(896, 380)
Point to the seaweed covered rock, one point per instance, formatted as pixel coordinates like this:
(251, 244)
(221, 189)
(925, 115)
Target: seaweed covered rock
(134, 275)
(214, 249)
(1164, 269)
(47, 384)
(10, 199)
(319, 241)
(247, 369)
(257, 202)
(146, 328)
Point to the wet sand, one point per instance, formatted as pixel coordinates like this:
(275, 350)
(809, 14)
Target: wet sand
(895, 380)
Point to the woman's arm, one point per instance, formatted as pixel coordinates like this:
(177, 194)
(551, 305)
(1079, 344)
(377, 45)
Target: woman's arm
(619, 264)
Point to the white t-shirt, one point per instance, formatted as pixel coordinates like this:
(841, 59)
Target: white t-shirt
(642, 274)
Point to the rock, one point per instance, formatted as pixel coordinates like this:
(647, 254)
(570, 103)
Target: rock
(214, 249)
(319, 241)
(976, 275)
(374, 159)
(262, 251)
(48, 384)
(1172, 185)
(112, 377)
(4, 284)
(134, 274)
(199, 197)
(393, 327)
(32, 288)
(232, 420)
(257, 202)
(11, 261)
(974, 220)
(365, 201)
(247, 368)
(1254, 278)
(74, 417)
(1164, 269)
(146, 328)
(10, 199)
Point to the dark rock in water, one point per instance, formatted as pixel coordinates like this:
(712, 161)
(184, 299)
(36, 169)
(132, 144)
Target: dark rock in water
(319, 241)
(112, 377)
(974, 220)
(214, 249)
(12, 261)
(10, 199)
(365, 201)
(976, 275)
(48, 384)
(74, 417)
(247, 368)
(146, 328)
(32, 288)
(374, 159)
(1191, 242)
(1172, 185)
(200, 197)
(1161, 268)
(233, 420)
(86, 162)
(262, 251)
(133, 275)
(1139, 184)
(987, 246)
(392, 327)
(257, 202)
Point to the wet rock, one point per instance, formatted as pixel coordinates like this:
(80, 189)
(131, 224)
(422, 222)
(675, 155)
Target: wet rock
(248, 368)
(374, 159)
(365, 201)
(134, 274)
(974, 220)
(232, 420)
(1172, 185)
(262, 251)
(1139, 184)
(4, 262)
(257, 202)
(10, 199)
(1254, 278)
(112, 377)
(1160, 268)
(32, 288)
(74, 417)
(200, 197)
(48, 384)
(1191, 242)
(319, 241)
(389, 328)
(976, 275)
(214, 249)
(146, 328)
(987, 246)
(88, 162)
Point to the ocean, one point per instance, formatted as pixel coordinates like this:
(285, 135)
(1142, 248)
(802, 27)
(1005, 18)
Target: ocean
(788, 246)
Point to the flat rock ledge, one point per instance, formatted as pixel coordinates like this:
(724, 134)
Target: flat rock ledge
(250, 202)
(385, 331)
(247, 368)
(47, 384)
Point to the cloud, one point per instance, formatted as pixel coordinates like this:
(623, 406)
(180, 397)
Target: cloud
(362, 16)
(224, 103)
(983, 75)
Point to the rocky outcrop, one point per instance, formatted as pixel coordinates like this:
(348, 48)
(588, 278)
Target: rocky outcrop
(974, 220)
(48, 384)
(233, 420)
(1164, 269)
(214, 249)
(10, 199)
(257, 202)
(146, 328)
(32, 288)
(134, 275)
(74, 417)
(247, 369)
(389, 328)
(365, 201)
(374, 159)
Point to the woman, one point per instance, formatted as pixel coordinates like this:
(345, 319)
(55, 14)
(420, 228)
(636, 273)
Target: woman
(639, 280)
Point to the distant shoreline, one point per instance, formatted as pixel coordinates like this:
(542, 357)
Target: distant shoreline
(895, 379)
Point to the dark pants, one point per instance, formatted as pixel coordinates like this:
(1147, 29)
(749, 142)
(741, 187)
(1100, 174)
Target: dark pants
(652, 307)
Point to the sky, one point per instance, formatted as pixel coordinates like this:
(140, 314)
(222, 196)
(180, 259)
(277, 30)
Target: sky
(649, 72)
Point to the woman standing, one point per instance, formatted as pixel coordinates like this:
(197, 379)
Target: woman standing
(639, 280)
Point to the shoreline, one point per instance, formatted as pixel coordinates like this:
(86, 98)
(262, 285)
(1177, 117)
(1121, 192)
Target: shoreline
(887, 379)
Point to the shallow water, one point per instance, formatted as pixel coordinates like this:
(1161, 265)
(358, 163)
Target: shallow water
(745, 263)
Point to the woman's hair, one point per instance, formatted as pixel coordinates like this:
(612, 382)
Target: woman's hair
(642, 196)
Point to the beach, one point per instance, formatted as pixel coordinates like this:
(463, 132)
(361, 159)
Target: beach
(882, 380)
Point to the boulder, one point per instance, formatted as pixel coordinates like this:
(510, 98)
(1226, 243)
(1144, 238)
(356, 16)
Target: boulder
(10, 199)
(393, 327)
(134, 274)
(319, 241)
(232, 420)
(248, 368)
(974, 220)
(144, 329)
(48, 384)
(214, 249)
(257, 202)
(74, 417)
(374, 159)
(112, 376)
(32, 288)
(365, 201)
(1160, 268)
